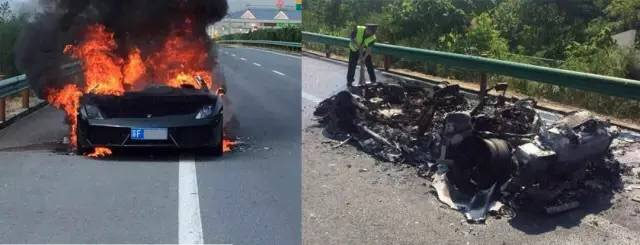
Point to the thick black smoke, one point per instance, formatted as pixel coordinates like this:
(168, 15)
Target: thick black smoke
(135, 23)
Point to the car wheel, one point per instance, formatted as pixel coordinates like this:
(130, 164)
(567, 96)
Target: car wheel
(218, 149)
(81, 148)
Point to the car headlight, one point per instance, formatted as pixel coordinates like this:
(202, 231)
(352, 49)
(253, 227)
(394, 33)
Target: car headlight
(91, 112)
(208, 111)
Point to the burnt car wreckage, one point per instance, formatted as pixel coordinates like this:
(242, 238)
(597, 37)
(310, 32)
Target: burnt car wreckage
(158, 116)
(491, 156)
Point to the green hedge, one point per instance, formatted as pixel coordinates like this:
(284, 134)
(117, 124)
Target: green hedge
(286, 34)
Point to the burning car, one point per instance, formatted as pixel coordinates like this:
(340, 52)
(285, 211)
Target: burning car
(161, 97)
(158, 116)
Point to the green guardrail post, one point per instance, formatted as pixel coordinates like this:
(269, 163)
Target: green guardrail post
(483, 92)
(387, 62)
(482, 100)
(2, 109)
(25, 98)
(327, 50)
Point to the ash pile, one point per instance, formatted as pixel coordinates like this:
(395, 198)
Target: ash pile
(483, 156)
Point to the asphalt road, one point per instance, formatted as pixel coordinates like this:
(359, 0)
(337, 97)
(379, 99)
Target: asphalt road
(249, 196)
(351, 198)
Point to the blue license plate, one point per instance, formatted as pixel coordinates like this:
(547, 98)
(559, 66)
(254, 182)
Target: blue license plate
(149, 133)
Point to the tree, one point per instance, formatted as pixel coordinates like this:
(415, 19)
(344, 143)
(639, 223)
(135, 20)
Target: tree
(625, 14)
(598, 55)
(422, 22)
(484, 39)
(532, 28)
(10, 26)
(5, 11)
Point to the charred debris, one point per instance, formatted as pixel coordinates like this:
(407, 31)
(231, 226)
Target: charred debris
(496, 156)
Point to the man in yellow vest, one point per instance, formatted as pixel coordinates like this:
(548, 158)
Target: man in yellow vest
(362, 38)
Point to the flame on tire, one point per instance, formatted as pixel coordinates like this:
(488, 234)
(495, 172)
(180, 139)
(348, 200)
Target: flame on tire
(100, 152)
(228, 145)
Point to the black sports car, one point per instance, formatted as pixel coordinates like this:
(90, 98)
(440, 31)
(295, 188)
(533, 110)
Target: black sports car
(158, 116)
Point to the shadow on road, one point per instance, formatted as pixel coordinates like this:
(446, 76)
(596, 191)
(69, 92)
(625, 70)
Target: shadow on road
(536, 223)
(120, 155)
(158, 155)
(51, 146)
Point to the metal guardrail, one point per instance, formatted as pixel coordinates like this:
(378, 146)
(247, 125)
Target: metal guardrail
(20, 84)
(264, 42)
(11, 86)
(608, 85)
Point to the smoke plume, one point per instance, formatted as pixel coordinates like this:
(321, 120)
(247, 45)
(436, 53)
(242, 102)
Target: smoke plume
(135, 23)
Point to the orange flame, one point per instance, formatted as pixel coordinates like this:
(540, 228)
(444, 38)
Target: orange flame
(68, 99)
(102, 70)
(100, 152)
(228, 145)
(134, 69)
(178, 62)
(181, 58)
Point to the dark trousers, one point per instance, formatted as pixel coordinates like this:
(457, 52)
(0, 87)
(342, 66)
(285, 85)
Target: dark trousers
(353, 62)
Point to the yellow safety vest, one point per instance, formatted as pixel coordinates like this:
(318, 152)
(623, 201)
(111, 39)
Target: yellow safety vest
(360, 41)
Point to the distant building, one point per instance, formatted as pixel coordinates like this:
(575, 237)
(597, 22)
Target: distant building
(256, 17)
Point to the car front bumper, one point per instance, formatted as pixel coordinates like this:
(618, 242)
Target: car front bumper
(183, 132)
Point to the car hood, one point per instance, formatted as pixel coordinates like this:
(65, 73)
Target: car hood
(151, 102)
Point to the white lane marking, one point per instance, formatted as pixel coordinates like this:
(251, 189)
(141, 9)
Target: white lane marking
(189, 221)
(244, 59)
(279, 73)
(232, 54)
(310, 97)
(274, 52)
(256, 64)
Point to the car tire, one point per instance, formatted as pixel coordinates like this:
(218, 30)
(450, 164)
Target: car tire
(218, 149)
(81, 148)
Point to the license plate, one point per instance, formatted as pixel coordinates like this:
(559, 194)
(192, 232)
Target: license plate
(149, 133)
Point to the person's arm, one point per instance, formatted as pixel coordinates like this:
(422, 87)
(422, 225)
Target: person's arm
(366, 53)
(371, 45)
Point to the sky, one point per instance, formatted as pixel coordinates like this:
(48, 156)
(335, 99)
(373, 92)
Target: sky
(24, 5)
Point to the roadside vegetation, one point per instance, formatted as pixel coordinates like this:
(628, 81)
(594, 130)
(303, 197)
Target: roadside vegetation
(10, 26)
(566, 34)
(285, 34)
